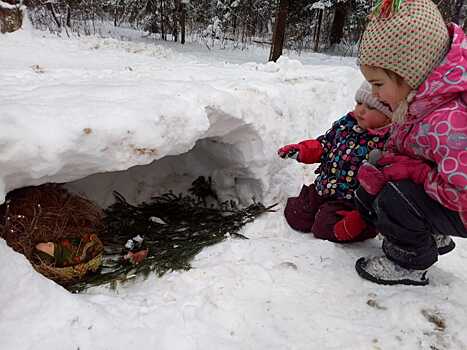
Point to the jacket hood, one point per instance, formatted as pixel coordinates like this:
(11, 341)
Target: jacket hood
(448, 81)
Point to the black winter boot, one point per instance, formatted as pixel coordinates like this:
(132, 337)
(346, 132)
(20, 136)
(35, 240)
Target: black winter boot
(381, 270)
(444, 244)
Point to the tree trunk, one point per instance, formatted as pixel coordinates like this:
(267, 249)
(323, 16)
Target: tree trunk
(337, 29)
(11, 19)
(68, 16)
(278, 35)
(50, 6)
(318, 30)
(253, 20)
(175, 20)
(162, 20)
(182, 23)
(234, 25)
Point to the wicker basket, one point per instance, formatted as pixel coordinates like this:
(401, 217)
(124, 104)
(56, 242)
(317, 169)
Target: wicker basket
(71, 274)
(48, 213)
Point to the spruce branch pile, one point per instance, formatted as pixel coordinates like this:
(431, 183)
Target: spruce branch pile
(175, 228)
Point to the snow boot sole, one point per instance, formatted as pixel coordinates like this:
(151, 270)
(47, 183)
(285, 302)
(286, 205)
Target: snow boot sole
(360, 267)
(447, 248)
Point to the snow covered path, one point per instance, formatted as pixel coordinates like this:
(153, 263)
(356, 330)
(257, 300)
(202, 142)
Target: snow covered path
(96, 105)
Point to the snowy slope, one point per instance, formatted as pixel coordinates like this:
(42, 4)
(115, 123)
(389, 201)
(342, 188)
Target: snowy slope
(100, 105)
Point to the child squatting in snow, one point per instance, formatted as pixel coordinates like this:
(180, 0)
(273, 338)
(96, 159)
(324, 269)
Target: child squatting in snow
(326, 208)
(416, 194)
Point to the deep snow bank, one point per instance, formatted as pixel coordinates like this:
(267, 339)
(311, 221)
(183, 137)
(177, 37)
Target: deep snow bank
(76, 108)
(102, 105)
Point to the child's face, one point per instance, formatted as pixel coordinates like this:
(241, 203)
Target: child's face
(385, 88)
(369, 117)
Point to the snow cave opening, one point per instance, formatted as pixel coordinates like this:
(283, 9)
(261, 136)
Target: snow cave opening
(42, 222)
(225, 160)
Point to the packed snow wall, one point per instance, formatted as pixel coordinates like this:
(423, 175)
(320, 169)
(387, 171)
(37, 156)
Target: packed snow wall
(105, 115)
(231, 154)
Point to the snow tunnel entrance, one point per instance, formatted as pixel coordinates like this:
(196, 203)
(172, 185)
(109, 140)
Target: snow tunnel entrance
(53, 226)
(228, 161)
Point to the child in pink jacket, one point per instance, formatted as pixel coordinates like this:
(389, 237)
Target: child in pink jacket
(416, 194)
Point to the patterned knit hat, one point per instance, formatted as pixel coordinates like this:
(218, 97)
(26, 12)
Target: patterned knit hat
(364, 95)
(408, 37)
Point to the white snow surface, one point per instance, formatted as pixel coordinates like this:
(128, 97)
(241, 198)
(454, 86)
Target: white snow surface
(85, 110)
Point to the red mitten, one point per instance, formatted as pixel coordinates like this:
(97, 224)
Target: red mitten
(371, 178)
(308, 152)
(289, 151)
(400, 167)
(350, 226)
(311, 151)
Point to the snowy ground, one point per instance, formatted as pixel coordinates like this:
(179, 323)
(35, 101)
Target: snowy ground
(72, 108)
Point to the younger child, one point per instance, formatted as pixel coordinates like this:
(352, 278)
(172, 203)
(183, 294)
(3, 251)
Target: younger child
(326, 208)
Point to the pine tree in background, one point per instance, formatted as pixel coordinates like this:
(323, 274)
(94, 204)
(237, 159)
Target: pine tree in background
(333, 26)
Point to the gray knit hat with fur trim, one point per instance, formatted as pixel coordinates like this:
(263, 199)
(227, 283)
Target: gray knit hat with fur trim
(364, 95)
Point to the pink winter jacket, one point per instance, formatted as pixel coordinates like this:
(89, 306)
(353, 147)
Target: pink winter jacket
(436, 128)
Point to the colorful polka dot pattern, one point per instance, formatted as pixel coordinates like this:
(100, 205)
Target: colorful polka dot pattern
(411, 43)
(346, 146)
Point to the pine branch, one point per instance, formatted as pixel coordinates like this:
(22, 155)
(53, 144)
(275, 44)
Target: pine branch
(175, 229)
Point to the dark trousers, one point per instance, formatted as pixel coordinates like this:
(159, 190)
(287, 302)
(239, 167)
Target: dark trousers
(407, 218)
(309, 212)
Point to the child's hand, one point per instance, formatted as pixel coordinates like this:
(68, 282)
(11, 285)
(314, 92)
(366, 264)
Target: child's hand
(400, 167)
(371, 178)
(289, 151)
(307, 152)
(350, 226)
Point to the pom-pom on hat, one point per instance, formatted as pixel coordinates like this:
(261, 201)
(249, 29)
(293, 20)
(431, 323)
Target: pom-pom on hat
(408, 37)
(364, 95)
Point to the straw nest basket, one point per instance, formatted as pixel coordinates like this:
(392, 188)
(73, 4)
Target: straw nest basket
(70, 274)
(48, 213)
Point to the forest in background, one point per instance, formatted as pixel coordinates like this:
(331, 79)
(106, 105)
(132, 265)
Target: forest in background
(302, 25)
